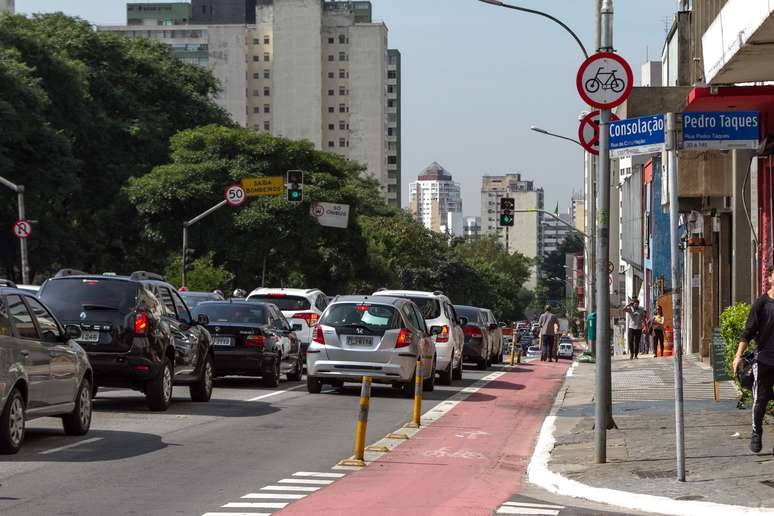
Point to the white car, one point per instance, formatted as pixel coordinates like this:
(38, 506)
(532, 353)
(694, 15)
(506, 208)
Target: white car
(301, 307)
(438, 310)
(533, 351)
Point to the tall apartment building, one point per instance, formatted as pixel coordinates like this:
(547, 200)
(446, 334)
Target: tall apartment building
(435, 200)
(302, 69)
(166, 13)
(7, 6)
(471, 228)
(554, 233)
(526, 235)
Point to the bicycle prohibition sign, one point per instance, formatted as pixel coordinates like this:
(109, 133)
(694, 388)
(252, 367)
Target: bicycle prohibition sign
(605, 80)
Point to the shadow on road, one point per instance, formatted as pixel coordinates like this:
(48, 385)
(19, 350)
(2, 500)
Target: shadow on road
(183, 406)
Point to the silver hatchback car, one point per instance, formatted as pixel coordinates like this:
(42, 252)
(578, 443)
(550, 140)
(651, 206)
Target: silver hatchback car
(43, 371)
(374, 336)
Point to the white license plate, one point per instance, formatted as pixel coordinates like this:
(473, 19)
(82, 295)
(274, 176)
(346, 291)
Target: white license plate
(89, 336)
(223, 341)
(360, 341)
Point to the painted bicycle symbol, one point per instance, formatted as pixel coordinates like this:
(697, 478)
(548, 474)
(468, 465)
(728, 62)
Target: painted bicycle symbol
(606, 81)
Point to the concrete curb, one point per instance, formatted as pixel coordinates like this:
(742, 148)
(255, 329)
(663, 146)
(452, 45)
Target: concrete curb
(539, 474)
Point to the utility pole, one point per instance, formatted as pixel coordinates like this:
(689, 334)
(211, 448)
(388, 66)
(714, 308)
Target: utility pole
(25, 264)
(187, 224)
(603, 395)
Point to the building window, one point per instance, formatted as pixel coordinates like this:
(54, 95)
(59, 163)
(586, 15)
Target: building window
(342, 39)
(256, 109)
(391, 103)
(331, 127)
(331, 41)
(331, 144)
(342, 73)
(342, 108)
(331, 109)
(266, 125)
(391, 89)
(266, 74)
(342, 56)
(256, 93)
(266, 91)
(330, 57)
(392, 74)
(266, 40)
(342, 125)
(330, 75)
(331, 93)
(256, 58)
(392, 160)
(390, 131)
(256, 41)
(266, 56)
(342, 91)
(256, 75)
(342, 142)
(267, 108)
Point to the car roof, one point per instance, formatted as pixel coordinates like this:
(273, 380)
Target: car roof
(469, 307)
(302, 292)
(197, 293)
(18, 291)
(412, 293)
(384, 300)
(232, 301)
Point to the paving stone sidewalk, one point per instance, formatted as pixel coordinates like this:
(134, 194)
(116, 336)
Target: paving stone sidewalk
(641, 452)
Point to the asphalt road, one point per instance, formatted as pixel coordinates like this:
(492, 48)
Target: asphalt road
(196, 457)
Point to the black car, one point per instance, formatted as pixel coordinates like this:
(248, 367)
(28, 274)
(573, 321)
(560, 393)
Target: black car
(477, 347)
(252, 339)
(137, 332)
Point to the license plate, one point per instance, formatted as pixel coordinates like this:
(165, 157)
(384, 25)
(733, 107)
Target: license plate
(89, 336)
(223, 341)
(360, 341)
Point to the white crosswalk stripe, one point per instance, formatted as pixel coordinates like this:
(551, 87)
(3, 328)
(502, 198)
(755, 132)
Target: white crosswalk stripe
(274, 496)
(538, 505)
(255, 505)
(510, 509)
(305, 481)
(236, 514)
(318, 475)
(306, 489)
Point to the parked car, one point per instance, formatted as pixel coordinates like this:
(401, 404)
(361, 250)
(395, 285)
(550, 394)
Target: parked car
(477, 346)
(43, 371)
(301, 307)
(533, 351)
(437, 310)
(496, 333)
(565, 350)
(377, 336)
(192, 299)
(137, 331)
(252, 339)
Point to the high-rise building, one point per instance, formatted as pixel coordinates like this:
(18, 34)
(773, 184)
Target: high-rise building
(162, 13)
(555, 232)
(435, 200)
(302, 69)
(471, 228)
(7, 6)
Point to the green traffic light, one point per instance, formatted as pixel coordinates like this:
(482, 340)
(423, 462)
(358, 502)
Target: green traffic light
(295, 195)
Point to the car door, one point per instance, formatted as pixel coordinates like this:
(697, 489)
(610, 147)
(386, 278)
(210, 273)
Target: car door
(180, 339)
(457, 332)
(64, 360)
(283, 331)
(196, 336)
(426, 344)
(34, 353)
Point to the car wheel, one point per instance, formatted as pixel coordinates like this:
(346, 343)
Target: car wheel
(482, 364)
(158, 392)
(78, 421)
(445, 377)
(313, 385)
(457, 373)
(201, 391)
(272, 378)
(297, 373)
(12, 424)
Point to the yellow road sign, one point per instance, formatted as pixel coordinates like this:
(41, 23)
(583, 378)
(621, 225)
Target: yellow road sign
(264, 186)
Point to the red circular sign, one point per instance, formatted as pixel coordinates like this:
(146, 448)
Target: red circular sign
(22, 229)
(235, 195)
(605, 80)
(588, 132)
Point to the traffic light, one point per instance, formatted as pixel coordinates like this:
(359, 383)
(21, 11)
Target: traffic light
(188, 258)
(295, 185)
(507, 205)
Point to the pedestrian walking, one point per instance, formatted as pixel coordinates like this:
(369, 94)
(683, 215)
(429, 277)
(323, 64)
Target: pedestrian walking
(760, 328)
(635, 317)
(656, 327)
(548, 324)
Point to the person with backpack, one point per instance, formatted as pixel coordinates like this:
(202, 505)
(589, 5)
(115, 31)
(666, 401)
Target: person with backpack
(760, 327)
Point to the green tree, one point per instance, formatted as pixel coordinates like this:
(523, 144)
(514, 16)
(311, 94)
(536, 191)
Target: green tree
(204, 275)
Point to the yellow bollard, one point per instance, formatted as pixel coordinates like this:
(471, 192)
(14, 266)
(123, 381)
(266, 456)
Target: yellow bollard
(513, 352)
(518, 357)
(416, 421)
(362, 424)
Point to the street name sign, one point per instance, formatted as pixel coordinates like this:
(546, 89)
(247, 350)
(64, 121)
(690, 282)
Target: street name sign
(22, 229)
(605, 80)
(235, 195)
(634, 136)
(269, 186)
(330, 215)
(588, 132)
(721, 131)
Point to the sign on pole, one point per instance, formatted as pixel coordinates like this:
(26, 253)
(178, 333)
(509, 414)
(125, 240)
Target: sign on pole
(330, 215)
(235, 195)
(588, 132)
(634, 136)
(605, 80)
(721, 131)
(22, 229)
(270, 186)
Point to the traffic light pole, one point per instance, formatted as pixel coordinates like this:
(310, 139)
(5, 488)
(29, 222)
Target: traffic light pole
(187, 224)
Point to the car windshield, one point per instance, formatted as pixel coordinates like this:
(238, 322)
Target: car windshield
(284, 302)
(429, 308)
(376, 318)
(244, 313)
(194, 299)
(68, 297)
(471, 314)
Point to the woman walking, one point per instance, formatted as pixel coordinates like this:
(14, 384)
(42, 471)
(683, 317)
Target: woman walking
(657, 330)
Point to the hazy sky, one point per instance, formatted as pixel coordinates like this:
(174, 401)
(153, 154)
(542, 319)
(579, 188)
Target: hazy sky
(476, 77)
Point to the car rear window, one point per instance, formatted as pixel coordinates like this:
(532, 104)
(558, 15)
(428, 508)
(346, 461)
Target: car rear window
(233, 313)
(68, 297)
(429, 308)
(376, 318)
(471, 314)
(283, 302)
(194, 299)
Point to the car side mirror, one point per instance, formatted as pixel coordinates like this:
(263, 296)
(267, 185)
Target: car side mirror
(463, 321)
(493, 326)
(436, 330)
(73, 332)
(202, 320)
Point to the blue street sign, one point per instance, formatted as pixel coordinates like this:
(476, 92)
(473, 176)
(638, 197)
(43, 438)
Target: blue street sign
(633, 136)
(721, 131)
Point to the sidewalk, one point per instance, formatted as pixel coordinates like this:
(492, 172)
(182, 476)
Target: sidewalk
(641, 452)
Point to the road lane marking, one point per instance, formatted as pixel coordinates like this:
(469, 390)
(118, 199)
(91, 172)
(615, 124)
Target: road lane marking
(538, 505)
(276, 496)
(509, 509)
(291, 488)
(255, 505)
(73, 445)
(276, 393)
(305, 481)
(323, 475)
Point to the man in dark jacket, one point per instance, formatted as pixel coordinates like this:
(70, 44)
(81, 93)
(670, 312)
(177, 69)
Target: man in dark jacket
(760, 327)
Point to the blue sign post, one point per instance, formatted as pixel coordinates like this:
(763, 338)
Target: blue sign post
(633, 136)
(721, 131)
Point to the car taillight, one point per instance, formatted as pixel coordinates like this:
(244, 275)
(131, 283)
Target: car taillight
(140, 323)
(318, 336)
(311, 318)
(404, 338)
(473, 331)
(255, 341)
(444, 335)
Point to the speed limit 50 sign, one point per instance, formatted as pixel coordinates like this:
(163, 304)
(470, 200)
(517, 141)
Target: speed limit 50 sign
(235, 195)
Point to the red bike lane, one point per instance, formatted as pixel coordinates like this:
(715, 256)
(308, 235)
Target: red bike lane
(466, 463)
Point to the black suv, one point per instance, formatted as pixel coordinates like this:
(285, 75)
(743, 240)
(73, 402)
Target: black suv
(137, 332)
